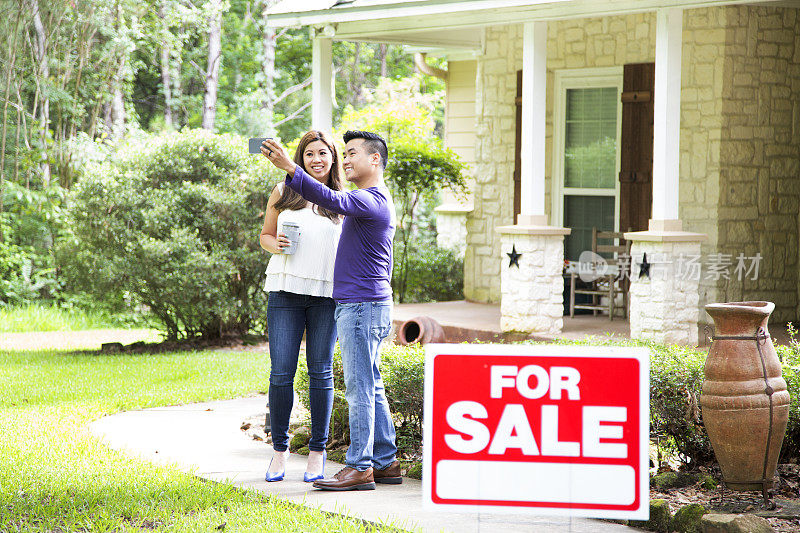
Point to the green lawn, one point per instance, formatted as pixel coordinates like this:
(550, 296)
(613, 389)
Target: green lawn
(56, 476)
(42, 317)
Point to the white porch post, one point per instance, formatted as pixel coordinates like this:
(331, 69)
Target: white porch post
(321, 84)
(664, 296)
(667, 119)
(534, 98)
(532, 290)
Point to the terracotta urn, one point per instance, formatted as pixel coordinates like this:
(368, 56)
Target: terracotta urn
(744, 402)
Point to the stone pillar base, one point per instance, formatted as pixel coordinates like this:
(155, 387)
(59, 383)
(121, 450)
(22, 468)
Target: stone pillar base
(533, 292)
(451, 226)
(664, 295)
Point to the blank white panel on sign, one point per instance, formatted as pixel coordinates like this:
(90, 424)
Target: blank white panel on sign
(537, 482)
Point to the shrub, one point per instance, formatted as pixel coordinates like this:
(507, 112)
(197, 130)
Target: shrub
(676, 379)
(171, 223)
(790, 356)
(339, 431)
(403, 372)
(13, 262)
(29, 224)
(432, 274)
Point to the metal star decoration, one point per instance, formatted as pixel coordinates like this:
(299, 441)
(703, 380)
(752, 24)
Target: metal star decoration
(644, 267)
(513, 257)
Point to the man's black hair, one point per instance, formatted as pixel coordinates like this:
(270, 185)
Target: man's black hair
(373, 143)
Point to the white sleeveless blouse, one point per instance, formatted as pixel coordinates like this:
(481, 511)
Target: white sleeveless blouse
(310, 269)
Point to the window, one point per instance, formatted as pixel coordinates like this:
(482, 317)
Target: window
(586, 133)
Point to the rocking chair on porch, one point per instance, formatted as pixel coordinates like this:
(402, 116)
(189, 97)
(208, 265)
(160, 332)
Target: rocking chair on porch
(608, 279)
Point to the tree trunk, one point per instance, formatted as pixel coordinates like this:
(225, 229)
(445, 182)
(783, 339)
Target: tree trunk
(118, 104)
(355, 87)
(166, 74)
(383, 51)
(9, 74)
(166, 82)
(44, 72)
(177, 95)
(212, 71)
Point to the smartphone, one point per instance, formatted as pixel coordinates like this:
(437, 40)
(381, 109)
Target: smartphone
(254, 144)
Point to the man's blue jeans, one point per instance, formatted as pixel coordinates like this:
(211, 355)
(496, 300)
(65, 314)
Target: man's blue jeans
(288, 315)
(361, 327)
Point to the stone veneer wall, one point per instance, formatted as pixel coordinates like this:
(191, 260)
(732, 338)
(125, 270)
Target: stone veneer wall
(451, 232)
(493, 190)
(759, 197)
(586, 43)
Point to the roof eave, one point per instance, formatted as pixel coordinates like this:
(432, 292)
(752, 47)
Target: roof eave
(471, 13)
(359, 13)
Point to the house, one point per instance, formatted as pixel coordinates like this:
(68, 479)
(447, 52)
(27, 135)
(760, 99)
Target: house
(674, 121)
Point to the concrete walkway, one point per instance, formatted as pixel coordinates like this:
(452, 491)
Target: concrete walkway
(205, 439)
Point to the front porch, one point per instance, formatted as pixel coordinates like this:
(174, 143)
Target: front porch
(637, 118)
(464, 321)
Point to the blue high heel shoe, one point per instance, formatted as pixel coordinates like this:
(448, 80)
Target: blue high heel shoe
(308, 478)
(275, 476)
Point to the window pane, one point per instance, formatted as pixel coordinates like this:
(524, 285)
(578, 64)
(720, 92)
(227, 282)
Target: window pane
(591, 132)
(581, 214)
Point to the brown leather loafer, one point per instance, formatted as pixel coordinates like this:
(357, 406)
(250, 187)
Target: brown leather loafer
(390, 475)
(348, 478)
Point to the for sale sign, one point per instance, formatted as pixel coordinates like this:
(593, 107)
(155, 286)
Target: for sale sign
(549, 429)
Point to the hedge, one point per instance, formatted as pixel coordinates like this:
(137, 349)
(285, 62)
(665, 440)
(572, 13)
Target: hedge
(676, 378)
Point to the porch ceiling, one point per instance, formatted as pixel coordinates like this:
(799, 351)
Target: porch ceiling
(441, 23)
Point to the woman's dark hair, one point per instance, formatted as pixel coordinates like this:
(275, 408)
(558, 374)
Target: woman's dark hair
(293, 201)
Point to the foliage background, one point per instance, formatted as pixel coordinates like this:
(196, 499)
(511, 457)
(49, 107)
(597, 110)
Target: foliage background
(87, 83)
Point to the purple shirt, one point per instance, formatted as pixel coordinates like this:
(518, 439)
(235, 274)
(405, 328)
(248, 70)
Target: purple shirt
(363, 268)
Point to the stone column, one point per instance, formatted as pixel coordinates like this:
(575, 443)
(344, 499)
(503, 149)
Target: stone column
(533, 292)
(664, 295)
(451, 226)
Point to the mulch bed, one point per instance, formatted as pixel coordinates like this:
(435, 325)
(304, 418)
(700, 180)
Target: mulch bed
(229, 342)
(784, 518)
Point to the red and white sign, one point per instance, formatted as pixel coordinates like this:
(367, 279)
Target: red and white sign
(559, 430)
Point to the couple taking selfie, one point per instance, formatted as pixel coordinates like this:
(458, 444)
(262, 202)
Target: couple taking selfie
(334, 281)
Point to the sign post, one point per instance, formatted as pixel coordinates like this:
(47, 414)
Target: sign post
(558, 430)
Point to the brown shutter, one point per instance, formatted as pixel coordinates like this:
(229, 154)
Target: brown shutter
(517, 147)
(636, 152)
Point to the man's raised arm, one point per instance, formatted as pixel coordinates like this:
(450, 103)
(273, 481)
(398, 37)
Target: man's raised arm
(344, 203)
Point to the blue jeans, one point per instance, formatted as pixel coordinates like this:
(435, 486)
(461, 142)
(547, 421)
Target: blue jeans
(288, 315)
(362, 326)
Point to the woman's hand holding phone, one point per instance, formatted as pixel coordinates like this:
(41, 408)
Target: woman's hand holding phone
(277, 155)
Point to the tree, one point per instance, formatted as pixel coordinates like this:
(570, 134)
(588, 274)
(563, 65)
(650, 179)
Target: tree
(43, 71)
(418, 166)
(415, 172)
(214, 59)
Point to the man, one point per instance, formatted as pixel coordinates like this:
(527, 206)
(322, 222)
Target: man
(363, 293)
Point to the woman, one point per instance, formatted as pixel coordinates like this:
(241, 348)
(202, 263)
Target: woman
(300, 287)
